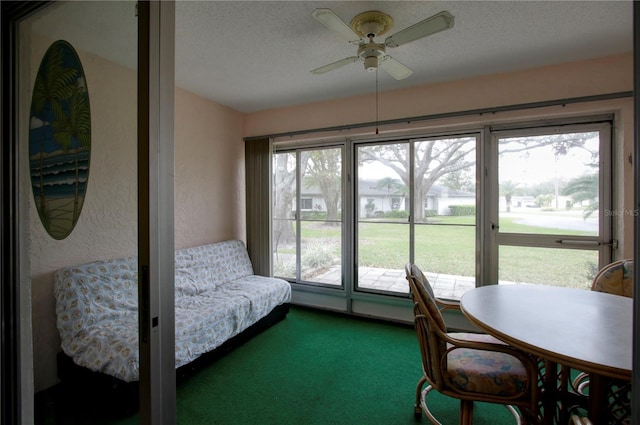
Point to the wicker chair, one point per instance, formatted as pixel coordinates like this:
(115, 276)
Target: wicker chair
(469, 367)
(615, 278)
(579, 420)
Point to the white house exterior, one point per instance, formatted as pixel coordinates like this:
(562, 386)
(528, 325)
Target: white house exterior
(374, 201)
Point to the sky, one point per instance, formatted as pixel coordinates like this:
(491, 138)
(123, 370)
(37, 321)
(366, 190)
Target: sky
(526, 168)
(540, 165)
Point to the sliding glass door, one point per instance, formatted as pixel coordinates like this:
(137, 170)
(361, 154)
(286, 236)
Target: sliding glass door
(382, 216)
(307, 229)
(416, 201)
(445, 219)
(552, 221)
(88, 159)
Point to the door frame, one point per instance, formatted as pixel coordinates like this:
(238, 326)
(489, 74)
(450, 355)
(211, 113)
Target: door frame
(155, 124)
(16, 356)
(604, 240)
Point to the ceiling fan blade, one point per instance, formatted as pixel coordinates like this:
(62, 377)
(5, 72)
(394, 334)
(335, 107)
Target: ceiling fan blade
(335, 65)
(334, 23)
(438, 22)
(395, 68)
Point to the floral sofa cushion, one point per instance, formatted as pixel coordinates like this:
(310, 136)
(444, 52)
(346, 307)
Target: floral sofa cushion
(217, 296)
(94, 293)
(202, 267)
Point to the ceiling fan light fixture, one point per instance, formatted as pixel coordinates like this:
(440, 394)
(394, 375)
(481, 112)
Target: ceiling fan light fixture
(370, 53)
(371, 63)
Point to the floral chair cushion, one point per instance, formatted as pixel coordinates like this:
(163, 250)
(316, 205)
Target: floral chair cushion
(486, 372)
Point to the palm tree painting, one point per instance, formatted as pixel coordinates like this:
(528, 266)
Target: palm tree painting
(59, 139)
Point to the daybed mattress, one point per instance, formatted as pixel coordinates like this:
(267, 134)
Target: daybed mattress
(98, 316)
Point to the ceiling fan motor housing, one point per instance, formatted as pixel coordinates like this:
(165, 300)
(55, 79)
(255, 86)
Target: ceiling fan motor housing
(370, 53)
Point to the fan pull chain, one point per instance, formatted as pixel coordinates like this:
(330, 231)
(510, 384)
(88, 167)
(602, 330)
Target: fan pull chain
(376, 100)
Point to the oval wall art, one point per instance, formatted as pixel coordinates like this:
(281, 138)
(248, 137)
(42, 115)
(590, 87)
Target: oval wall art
(59, 139)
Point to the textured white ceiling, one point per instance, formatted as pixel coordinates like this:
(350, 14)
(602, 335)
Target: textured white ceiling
(255, 55)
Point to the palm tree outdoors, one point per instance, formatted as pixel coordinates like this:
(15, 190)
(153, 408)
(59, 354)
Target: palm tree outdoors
(584, 188)
(508, 189)
(392, 187)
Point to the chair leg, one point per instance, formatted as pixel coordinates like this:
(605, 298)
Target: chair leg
(417, 409)
(466, 412)
(425, 407)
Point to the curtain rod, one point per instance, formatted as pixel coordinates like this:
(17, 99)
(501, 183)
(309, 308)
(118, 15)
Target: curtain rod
(481, 111)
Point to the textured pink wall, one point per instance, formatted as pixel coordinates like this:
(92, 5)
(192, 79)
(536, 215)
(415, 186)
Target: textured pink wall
(606, 75)
(209, 161)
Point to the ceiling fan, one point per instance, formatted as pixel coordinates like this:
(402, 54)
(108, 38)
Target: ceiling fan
(365, 27)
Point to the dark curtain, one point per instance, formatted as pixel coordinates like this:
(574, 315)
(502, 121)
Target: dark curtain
(257, 155)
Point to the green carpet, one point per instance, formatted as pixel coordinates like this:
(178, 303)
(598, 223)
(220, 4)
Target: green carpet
(317, 368)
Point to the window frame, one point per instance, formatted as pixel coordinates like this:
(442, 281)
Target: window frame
(494, 239)
(299, 218)
(384, 304)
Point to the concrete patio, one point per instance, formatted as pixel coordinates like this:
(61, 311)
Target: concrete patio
(444, 285)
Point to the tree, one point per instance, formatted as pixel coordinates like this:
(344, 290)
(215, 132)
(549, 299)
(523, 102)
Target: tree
(544, 201)
(435, 159)
(318, 167)
(284, 184)
(584, 188)
(323, 168)
(508, 189)
(369, 208)
(560, 143)
(462, 180)
(392, 187)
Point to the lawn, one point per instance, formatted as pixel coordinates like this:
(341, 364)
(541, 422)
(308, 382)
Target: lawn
(448, 247)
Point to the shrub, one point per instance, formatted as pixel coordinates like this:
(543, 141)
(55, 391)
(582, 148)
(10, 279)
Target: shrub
(396, 214)
(459, 210)
(318, 255)
(313, 215)
(285, 269)
(592, 270)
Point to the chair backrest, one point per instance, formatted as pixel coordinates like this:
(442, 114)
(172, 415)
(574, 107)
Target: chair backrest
(429, 325)
(615, 278)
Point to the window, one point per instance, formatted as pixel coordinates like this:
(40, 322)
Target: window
(307, 241)
(382, 239)
(417, 221)
(484, 207)
(552, 186)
